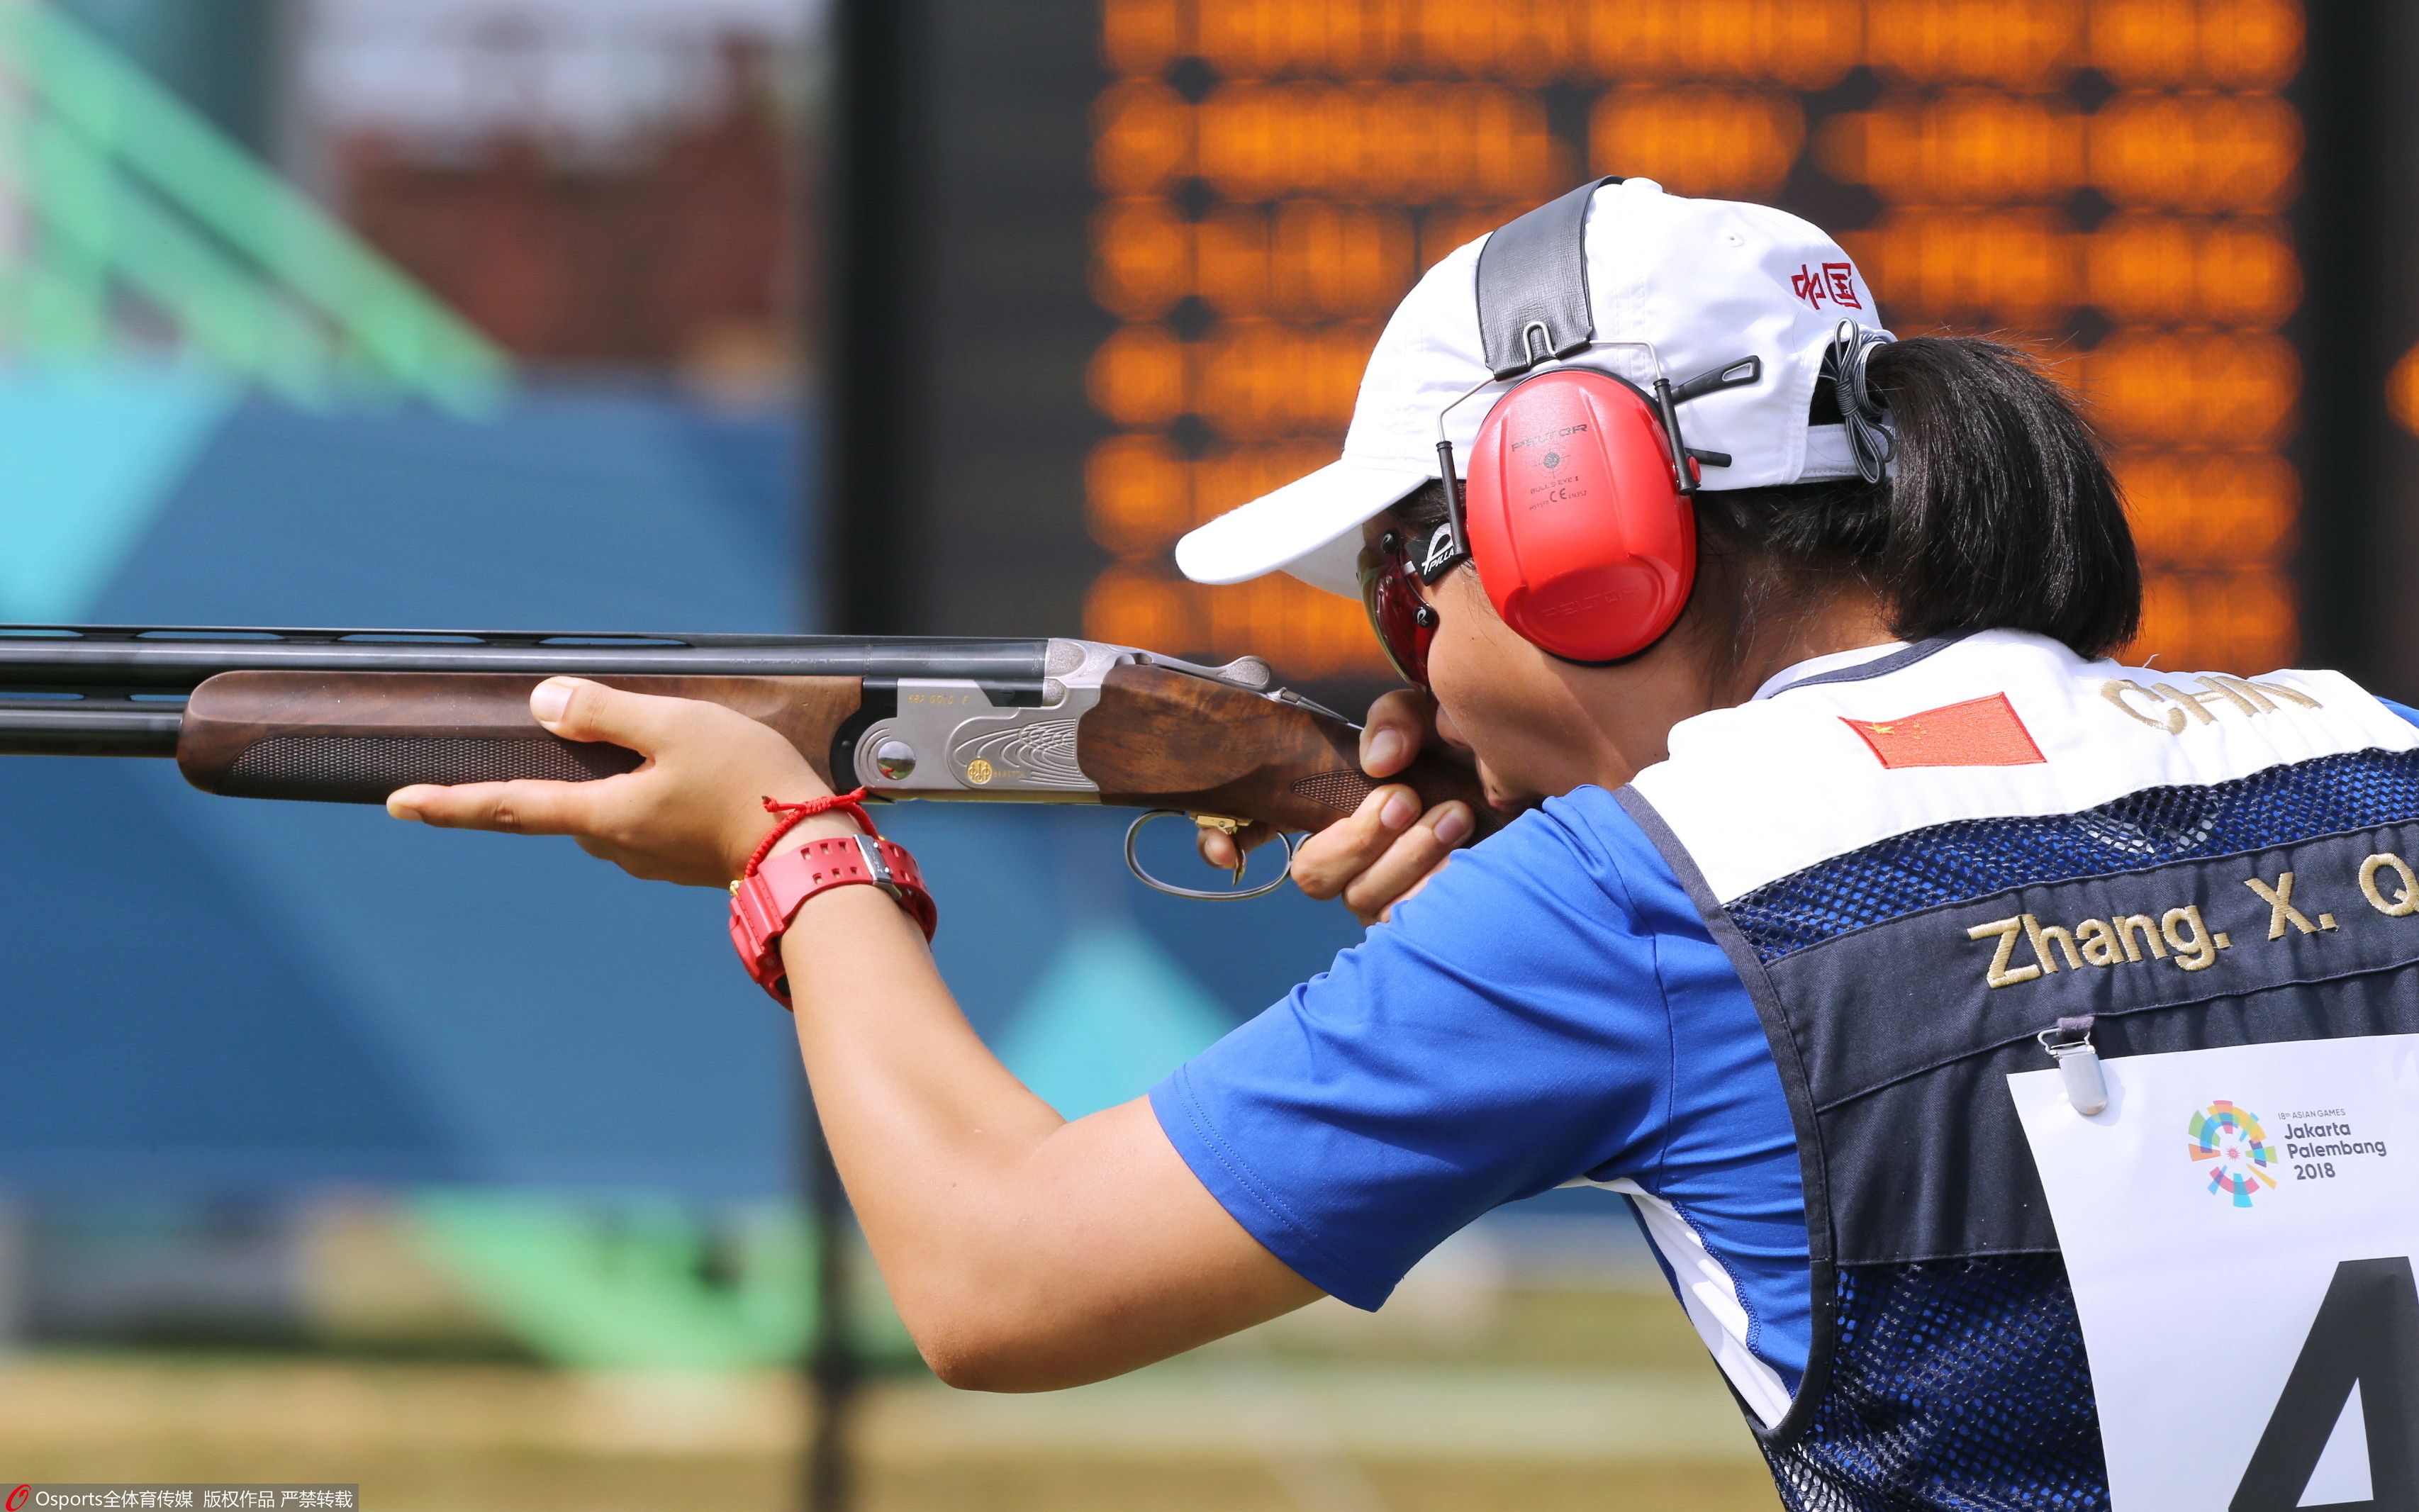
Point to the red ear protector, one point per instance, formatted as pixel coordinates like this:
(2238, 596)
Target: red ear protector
(1577, 512)
(1576, 509)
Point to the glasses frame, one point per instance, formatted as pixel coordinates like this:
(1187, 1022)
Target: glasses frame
(1394, 594)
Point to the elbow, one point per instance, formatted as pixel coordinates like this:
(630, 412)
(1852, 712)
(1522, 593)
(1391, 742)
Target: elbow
(968, 1363)
(990, 1342)
(971, 1359)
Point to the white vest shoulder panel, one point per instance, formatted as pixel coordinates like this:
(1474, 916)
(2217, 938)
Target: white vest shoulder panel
(1818, 769)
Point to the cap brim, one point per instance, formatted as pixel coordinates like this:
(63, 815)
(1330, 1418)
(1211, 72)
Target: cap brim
(1310, 528)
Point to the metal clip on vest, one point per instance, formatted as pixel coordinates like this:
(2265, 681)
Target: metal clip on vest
(2078, 1064)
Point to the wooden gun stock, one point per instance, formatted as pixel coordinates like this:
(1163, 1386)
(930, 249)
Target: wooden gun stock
(1161, 739)
(1156, 738)
(355, 737)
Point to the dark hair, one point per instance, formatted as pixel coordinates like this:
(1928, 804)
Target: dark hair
(1999, 512)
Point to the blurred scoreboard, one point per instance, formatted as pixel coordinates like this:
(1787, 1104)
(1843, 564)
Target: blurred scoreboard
(2106, 182)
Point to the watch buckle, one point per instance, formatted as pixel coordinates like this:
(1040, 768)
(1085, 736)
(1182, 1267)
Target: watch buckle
(877, 866)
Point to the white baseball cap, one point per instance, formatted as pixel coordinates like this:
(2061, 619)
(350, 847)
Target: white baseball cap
(1708, 281)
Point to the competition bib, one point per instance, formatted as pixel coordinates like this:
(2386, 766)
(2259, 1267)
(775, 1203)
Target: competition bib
(2241, 1226)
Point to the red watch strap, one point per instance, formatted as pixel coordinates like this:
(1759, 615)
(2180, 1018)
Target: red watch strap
(764, 902)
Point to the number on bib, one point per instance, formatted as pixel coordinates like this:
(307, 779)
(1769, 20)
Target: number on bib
(2367, 1334)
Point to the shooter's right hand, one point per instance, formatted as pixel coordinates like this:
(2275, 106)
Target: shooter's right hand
(1387, 849)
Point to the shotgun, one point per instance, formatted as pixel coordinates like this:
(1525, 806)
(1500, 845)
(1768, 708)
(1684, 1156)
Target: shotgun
(351, 716)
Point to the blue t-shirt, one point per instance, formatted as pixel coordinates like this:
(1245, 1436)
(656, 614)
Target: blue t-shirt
(1550, 1009)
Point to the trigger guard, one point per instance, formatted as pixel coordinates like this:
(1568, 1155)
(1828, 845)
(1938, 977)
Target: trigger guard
(1133, 864)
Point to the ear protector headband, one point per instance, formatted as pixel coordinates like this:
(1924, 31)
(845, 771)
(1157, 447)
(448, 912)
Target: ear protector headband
(1577, 511)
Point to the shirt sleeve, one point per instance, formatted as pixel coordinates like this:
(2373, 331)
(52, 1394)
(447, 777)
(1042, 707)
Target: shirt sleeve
(1505, 1033)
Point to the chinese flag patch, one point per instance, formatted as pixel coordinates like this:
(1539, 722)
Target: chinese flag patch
(1982, 732)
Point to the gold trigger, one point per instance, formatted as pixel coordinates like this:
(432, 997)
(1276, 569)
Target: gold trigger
(1229, 827)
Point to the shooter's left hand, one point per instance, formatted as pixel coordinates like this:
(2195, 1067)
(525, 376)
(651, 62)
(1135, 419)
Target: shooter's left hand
(691, 815)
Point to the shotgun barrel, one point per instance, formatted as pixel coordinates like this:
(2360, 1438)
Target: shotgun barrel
(71, 724)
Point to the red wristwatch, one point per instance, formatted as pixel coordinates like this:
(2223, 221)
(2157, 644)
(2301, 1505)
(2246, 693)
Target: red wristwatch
(764, 901)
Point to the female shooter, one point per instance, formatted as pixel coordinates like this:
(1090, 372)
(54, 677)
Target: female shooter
(1787, 644)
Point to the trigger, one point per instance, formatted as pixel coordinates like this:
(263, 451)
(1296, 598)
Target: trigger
(1230, 828)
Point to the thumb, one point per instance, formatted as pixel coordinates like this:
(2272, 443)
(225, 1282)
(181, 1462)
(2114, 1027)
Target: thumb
(1397, 727)
(577, 709)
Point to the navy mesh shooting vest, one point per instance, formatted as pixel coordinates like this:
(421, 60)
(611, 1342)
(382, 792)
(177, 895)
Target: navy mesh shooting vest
(1920, 864)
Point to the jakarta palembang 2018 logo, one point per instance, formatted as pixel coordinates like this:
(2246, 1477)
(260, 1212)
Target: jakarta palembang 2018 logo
(2236, 1149)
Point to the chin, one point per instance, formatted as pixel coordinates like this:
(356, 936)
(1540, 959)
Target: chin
(1505, 795)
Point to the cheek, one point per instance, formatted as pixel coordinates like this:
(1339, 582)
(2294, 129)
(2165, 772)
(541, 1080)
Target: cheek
(1465, 676)
(1488, 681)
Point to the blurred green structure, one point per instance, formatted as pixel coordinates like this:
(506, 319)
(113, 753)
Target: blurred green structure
(635, 1286)
(131, 213)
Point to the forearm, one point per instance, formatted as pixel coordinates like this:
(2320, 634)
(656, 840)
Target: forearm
(1022, 1251)
(925, 1123)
